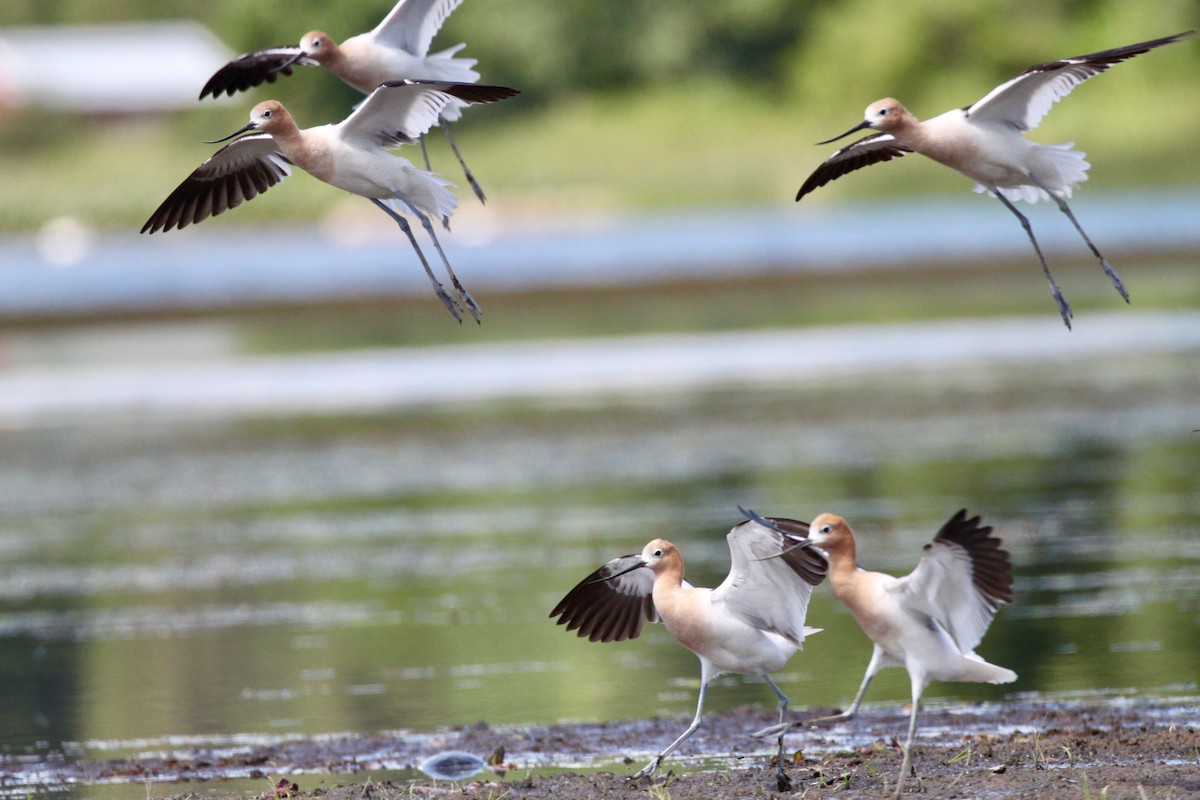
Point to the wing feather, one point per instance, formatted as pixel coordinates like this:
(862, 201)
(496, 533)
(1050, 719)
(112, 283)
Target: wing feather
(412, 24)
(866, 151)
(607, 609)
(770, 579)
(252, 69)
(400, 112)
(962, 580)
(1026, 99)
(239, 171)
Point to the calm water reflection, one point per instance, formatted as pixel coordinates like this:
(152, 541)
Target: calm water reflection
(167, 585)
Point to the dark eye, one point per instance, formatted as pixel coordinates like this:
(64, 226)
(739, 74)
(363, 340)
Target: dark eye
(657, 553)
(883, 112)
(826, 529)
(267, 113)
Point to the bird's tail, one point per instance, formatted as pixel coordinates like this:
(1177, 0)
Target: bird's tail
(445, 66)
(432, 198)
(975, 669)
(1057, 166)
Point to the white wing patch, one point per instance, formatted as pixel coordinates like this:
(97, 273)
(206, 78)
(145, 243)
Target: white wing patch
(395, 113)
(941, 587)
(766, 594)
(1025, 100)
(962, 580)
(412, 24)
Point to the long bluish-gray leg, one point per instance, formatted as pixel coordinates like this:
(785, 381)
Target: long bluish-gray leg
(1063, 307)
(1108, 270)
(450, 302)
(424, 152)
(918, 685)
(466, 170)
(878, 661)
(653, 765)
(782, 780)
(463, 294)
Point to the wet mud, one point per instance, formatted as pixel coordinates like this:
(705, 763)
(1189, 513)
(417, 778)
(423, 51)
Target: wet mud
(1111, 749)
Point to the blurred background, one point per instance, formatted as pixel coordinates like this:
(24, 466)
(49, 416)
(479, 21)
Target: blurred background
(255, 480)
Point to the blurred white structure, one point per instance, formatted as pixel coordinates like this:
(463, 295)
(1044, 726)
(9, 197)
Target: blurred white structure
(122, 68)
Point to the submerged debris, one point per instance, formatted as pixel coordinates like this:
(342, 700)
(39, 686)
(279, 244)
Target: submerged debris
(452, 765)
(283, 789)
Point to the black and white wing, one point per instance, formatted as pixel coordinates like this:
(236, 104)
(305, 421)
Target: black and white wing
(412, 24)
(608, 609)
(1025, 100)
(962, 580)
(400, 112)
(239, 171)
(251, 69)
(771, 578)
(866, 151)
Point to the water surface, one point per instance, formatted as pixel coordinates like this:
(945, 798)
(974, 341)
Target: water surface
(224, 578)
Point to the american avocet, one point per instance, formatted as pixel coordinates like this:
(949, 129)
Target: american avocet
(928, 622)
(984, 142)
(751, 624)
(351, 155)
(395, 49)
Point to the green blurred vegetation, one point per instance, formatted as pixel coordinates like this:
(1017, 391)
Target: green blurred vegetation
(641, 103)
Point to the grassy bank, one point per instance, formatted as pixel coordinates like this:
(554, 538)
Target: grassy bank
(703, 143)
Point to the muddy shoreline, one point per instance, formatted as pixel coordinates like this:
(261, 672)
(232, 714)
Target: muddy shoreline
(1112, 748)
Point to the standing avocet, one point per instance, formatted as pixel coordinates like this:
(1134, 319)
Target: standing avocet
(351, 155)
(751, 624)
(984, 141)
(395, 49)
(928, 622)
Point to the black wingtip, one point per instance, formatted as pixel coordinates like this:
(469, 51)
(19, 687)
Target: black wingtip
(991, 564)
(753, 516)
(469, 92)
(483, 93)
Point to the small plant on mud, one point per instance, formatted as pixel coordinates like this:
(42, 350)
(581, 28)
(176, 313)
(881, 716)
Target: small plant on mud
(1087, 789)
(965, 756)
(660, 791)
(1039, 755)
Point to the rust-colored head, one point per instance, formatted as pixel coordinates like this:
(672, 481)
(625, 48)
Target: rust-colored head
(830, 533)
(318, 46)
(882, 115)
(886, 114)
(271, 116)
(660, 556)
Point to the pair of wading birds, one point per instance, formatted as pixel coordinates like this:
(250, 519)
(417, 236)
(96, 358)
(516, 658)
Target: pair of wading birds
(410, 91)
(928, 622)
